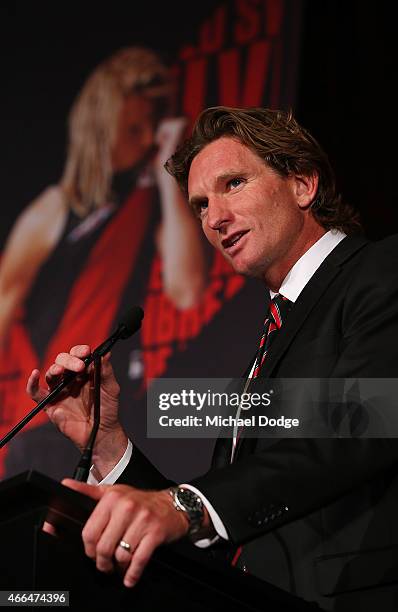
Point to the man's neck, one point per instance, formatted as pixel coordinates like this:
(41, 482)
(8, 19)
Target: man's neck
(275, 275)
(304, 269)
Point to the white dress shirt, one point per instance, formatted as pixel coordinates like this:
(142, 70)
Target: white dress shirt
(291, 287)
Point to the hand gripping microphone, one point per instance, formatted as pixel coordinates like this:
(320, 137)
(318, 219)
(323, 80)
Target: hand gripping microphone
(128, 325)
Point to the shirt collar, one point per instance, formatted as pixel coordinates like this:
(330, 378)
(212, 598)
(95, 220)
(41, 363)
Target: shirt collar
(304, 268)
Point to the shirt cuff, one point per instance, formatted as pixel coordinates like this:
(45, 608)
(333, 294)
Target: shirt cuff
(215, 519)
(116, 472)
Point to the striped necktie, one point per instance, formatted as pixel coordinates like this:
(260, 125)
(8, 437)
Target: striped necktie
(278, 310)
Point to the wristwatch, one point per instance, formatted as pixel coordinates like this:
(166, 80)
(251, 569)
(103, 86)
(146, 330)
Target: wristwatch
(185, 500)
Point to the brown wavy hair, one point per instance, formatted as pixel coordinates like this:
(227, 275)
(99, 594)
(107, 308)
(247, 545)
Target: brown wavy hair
(277, 138)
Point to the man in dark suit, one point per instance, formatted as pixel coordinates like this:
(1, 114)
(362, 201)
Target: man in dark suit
(313, 516)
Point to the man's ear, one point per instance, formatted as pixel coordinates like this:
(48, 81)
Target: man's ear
(306, 188)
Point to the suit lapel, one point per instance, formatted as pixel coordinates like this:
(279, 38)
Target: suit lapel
(309, 298)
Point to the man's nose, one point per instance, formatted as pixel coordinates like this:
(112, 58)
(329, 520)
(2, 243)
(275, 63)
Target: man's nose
(218, 214)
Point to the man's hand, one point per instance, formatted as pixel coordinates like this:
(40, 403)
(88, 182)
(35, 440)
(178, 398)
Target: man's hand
(71, 410)
(143, 519)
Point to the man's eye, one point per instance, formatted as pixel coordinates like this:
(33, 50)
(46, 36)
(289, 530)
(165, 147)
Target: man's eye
(235, 182)
(200, 208)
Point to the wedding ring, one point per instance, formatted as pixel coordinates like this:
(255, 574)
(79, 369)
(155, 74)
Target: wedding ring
(125, 545)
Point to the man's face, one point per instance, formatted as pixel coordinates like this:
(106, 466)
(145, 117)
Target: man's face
(248, 211)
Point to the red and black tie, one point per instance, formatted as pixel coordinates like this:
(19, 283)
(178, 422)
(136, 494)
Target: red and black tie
(278, 310)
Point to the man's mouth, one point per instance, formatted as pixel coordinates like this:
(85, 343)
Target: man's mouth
(232, 240)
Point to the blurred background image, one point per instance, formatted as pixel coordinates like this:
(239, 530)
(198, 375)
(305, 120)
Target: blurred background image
(93, 103)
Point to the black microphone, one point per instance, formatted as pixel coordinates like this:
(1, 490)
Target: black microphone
(128, 325)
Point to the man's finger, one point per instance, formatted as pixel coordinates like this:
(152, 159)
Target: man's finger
(80, 350)
(123, 558)
(54, 371)
(139, 560)
(93, 491)
(33, 387)
(69, 362)
(107, 548)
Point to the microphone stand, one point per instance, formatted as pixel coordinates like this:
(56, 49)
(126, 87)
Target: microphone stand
(83, 467)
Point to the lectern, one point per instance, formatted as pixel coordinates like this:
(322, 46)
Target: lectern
(177, 578)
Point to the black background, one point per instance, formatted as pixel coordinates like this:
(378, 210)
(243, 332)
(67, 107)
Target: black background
(346, 98)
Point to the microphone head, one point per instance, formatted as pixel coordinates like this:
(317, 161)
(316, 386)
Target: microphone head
(130, 322)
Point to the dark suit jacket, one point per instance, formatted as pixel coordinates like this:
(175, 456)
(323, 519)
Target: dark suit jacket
(319, 517)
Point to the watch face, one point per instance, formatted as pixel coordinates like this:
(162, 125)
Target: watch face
(189, 499)
(190, 503)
